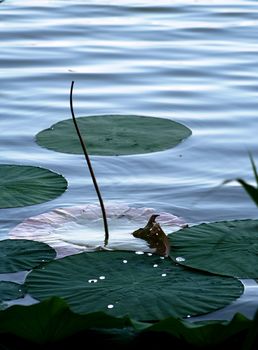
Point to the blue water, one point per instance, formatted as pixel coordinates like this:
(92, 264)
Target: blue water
(192, 61)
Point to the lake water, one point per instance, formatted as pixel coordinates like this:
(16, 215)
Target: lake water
(192, 61)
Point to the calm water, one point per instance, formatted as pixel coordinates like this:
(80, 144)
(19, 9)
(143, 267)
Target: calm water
(192, 61)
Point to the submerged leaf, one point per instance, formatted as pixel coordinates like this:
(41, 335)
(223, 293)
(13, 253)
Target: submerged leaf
(141, 286)
(227, 248)
(23, 254)
(22, 185)
(111, 135)
(155, 236)
(79, 228)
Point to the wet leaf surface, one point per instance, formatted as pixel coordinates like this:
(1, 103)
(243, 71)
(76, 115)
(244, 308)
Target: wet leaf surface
(138, 285)
(227, 247)
(23, 254)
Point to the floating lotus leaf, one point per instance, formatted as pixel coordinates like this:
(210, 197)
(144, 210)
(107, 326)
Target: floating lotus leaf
(80, 228)
(22, 254)
(22, 185)
(228, 248)
(10, 290)
(141, 286)
(111, 135)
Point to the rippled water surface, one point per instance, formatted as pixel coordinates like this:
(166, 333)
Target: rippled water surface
(194, 62)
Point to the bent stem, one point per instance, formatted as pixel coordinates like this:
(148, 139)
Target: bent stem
(104, 216)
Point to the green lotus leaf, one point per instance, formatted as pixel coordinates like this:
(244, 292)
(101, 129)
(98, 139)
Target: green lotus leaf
(22, 185)
(52, 320)
(204, 334)
(227, 248)
(52, 323)
(140, 286)
(22, 254)
(110, 135)
(10, 290)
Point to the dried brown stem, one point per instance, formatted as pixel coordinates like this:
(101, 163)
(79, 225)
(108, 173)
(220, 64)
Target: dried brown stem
(104, 216)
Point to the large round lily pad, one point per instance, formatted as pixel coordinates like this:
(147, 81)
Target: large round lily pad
(22, 185)
(142, 286)
(23, 254)
(10, 290)
(111, 135)
(228, 247)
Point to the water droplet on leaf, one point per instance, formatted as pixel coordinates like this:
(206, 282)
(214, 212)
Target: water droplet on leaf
(180, 259)
(93, 281)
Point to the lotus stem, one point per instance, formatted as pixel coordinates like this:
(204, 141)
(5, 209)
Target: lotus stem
(104, 216)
